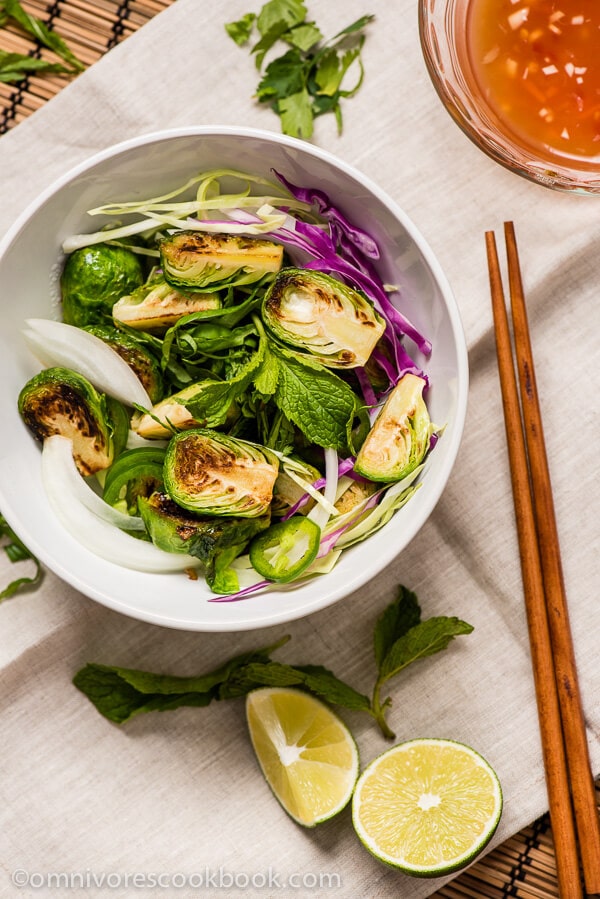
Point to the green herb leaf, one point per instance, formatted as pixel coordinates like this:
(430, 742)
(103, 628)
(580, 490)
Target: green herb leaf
(36, 27)
(15, 66)
(306, 81)
(212, 405)
(241, 30)
(304, 37)
(399, 617)
(315, 400)
(296, 113)
(424, 639)
(120, 693)
(283, 77)
(16, 551)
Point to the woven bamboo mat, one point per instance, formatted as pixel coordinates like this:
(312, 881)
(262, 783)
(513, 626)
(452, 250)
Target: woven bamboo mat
(523, 866)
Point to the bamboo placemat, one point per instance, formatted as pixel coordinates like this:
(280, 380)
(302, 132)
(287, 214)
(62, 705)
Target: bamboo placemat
(523, 866)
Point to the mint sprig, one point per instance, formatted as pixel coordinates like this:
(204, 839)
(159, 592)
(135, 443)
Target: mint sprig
(306, 80)
(400, 639)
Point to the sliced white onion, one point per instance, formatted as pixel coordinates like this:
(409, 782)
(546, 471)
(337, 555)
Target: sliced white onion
(320, 514)
(59, 450)
(100, 537)
(55, 343)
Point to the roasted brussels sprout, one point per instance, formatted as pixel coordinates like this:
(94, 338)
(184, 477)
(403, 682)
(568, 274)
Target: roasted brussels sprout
(172, 414)
(195, 260)
(399, 439)
(156, 305)
(59, 401)
(137, 356)
(93, 279)
(136, 473)
(319, 315)
(216, 541)
(215, 474)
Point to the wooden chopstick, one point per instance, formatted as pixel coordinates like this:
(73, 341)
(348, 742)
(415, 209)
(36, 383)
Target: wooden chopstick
(587, 821)
(553, 747)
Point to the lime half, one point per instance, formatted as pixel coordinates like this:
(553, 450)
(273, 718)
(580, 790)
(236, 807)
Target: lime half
(306, 753)
(427, 806)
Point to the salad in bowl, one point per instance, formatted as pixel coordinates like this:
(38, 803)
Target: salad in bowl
(234, 383)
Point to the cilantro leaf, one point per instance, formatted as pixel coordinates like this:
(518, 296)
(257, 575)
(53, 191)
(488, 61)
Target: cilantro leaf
(296, 113)
(241, 30)
(16, 551)
(40, 31)
(307, 80)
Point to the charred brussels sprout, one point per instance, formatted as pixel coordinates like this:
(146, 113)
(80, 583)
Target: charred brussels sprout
(156, 305)
(217, 542)
(215, 474)
(137, 473)
(136, 355)
(399, 439)
(319, 315)
(193, 260)
(93, 279)
(59, 401)
(172, 414)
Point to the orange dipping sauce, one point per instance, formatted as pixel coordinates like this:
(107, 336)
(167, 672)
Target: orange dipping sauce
(537, 64)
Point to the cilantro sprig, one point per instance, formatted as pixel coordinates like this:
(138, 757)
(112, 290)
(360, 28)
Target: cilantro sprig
(306, 80)
(400, 638)
(16, 551)
(16, 66)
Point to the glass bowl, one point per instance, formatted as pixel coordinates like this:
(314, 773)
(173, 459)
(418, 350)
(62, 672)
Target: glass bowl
(444, 35)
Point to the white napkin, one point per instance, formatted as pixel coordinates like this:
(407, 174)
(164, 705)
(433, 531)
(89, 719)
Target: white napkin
(180, 794)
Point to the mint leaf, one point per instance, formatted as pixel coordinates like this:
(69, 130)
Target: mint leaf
(399, 617)
(15, 66)
(424, 639)
(323, 682)
(318, 402)
(241, 30)
(314, 678)
(120, 693)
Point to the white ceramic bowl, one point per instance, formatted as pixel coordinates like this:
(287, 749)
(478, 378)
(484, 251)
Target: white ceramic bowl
(30, 258)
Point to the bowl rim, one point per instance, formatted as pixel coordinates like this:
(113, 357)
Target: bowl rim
(387, 553)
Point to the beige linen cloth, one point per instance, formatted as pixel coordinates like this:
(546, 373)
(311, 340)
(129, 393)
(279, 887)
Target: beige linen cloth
(180, 794)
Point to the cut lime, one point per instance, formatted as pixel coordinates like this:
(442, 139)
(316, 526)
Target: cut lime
(307, 755)
(427, 806)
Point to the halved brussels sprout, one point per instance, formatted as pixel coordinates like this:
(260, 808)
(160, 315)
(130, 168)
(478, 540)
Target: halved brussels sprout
(172, 414)
(215, 474)
(321, 316)
(136, 355)
(215, 541)
(59, 401)
(136, 473)
(93, 279)
(196, 260)
(399, 439)
(156, 305)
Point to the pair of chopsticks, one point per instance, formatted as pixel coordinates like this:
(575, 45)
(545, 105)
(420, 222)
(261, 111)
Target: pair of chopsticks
(573, 813)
